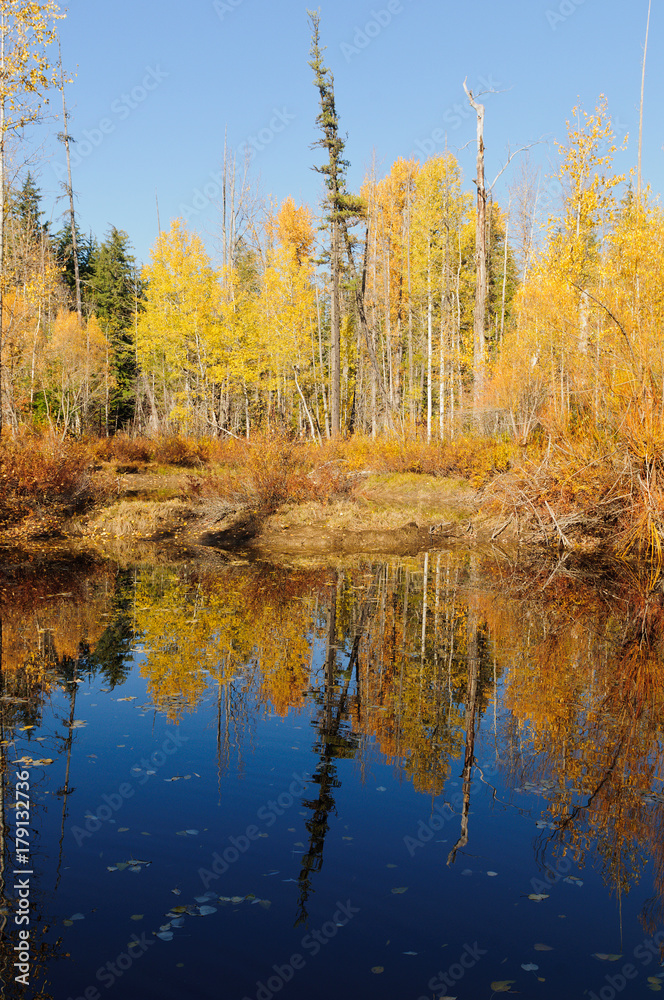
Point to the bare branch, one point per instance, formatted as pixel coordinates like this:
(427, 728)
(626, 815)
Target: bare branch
(510, 157)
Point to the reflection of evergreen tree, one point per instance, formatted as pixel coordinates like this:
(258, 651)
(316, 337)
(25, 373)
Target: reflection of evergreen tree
(333, 744)
(112, 656)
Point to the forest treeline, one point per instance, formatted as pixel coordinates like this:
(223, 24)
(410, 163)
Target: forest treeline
(186, 346)
(416, 307)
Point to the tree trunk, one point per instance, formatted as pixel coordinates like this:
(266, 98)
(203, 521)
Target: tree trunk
(335, 337)
(479, 314)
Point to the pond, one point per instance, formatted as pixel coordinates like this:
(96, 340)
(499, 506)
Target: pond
(435, 776)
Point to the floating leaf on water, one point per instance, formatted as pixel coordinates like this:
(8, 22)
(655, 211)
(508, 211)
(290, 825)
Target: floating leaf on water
(537, 897)
(123, 829)
(400, 889)
(502, 985)
(467, 871)
(178, 909)
(191, 833)
(165, 935)
(265, 903)
(137, 916)
(543, 947)
(77, 916)
(111, 868)
(377, 969)
(492, 874)
(237, 899)
(573, 881)
(131, 697)
(78, 723)
(134, 868)
(408, 952)
(530, 967)
(68, 923)
(381, 788)
(177, 922)
(205, 911)
(606, 958)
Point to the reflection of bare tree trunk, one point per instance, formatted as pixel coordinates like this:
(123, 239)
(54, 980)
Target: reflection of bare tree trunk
(3, 765)
(65, 791)
(471, 722)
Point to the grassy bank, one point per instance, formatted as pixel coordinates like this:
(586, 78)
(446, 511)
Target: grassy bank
(562, 492)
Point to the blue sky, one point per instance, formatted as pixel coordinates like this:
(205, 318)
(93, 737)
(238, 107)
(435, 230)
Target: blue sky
(160, 83)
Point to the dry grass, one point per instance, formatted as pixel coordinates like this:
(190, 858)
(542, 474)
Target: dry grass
(42, 481)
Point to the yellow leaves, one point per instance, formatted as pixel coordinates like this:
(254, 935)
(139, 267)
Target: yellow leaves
(27, 29)
(295, 231)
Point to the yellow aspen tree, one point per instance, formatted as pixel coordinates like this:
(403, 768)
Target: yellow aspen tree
(26, 31)
(176, 331)
(75, 365)
(289, 306)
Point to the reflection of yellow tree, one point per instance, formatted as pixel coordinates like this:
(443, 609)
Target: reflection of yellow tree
(221, 625)
(48, 619)
(585, 688)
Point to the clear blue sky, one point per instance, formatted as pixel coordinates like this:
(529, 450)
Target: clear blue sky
(159, 83)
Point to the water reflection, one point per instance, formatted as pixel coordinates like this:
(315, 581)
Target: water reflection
(404, 661)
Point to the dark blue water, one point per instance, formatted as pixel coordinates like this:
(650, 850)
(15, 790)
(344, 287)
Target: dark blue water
(364, 804)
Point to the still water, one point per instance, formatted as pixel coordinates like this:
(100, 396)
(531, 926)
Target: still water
(399, 778)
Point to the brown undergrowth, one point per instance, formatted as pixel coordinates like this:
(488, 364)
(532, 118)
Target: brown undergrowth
(44, 480)
(590, 484)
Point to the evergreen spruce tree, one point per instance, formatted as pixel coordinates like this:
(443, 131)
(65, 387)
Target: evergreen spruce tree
(86, 247)
(341, 208)
(25, 209)
(114, 293)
